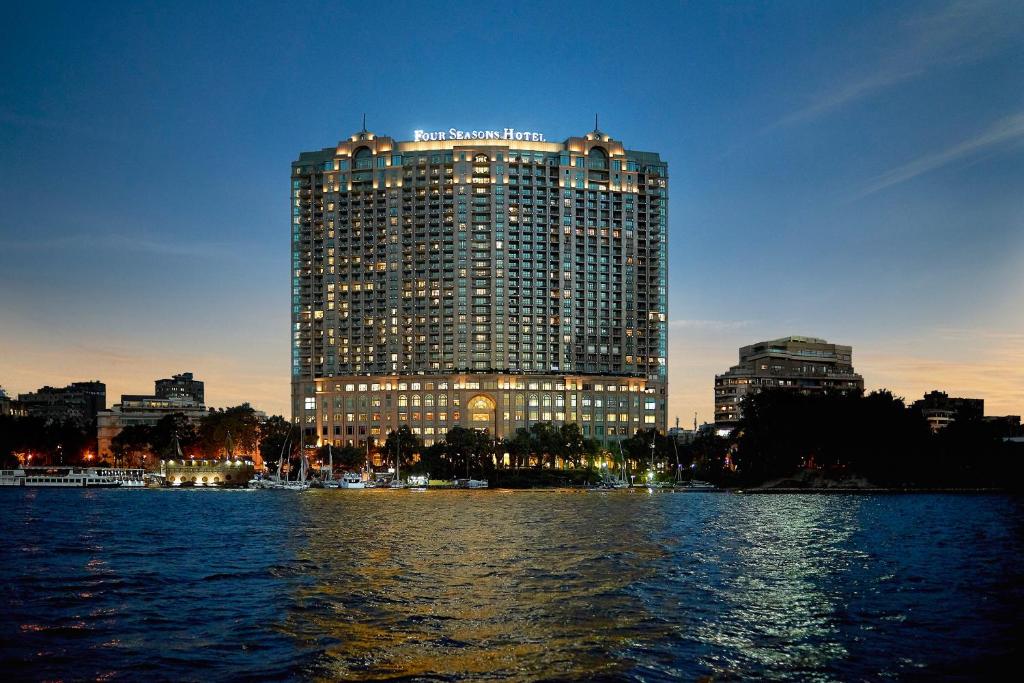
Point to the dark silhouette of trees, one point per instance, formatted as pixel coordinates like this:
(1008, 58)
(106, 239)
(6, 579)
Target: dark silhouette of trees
(544, 443)
(400, 442)
(50, 443)
(874, 436)
(346, 458)
(273, 434)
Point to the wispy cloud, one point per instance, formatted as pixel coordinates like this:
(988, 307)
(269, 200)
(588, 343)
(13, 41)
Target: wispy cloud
(957, 32)
(1007, 131)
(709, 325)
(119, 242)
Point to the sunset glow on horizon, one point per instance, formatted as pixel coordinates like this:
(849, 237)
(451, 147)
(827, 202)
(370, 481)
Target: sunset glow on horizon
(850, 172)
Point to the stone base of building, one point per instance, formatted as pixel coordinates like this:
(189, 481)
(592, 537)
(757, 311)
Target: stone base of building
(207, 473)
(349, 410)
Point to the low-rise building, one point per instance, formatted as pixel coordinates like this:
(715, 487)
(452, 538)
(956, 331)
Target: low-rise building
(940, 409)
(181, 386)
(805, 364)
(11, 406)
(79, 402)
(1008, 425)
(137, 409)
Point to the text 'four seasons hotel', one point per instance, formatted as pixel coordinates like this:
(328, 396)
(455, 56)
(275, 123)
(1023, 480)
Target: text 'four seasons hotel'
(483, 279)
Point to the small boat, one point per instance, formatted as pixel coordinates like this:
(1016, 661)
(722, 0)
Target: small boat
(697, 485)
(351, 480)
(470, 483)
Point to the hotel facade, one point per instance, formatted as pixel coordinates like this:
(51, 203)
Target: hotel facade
(483, 279)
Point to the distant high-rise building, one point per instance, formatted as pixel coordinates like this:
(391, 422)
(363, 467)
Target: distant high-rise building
(939, 409)
(79, 402)
(180, 386)
(485, 279)
(804, 364)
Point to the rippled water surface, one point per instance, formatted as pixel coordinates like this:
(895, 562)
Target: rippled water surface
(216, 585)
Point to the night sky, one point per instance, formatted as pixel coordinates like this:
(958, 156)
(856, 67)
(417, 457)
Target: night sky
(853, 171)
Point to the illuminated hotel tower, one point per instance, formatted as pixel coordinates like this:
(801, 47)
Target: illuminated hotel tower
(486, 279)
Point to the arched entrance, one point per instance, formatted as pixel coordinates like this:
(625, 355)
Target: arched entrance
(481, 412)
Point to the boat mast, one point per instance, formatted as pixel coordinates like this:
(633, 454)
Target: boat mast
(330, 463)
(280, 456)
(675, 447)
(622, 470)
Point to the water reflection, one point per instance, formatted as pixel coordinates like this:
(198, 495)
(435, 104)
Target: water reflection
(518, 585)
(775, 611)
(471, 583)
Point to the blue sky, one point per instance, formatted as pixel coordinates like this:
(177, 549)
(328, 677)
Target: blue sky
(853, 171)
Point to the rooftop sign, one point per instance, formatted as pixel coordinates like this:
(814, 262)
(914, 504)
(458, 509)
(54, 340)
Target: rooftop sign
(456, 134)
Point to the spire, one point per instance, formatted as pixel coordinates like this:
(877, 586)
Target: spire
(364, 122)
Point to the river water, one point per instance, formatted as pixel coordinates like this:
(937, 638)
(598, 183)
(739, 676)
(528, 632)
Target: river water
(510, 585)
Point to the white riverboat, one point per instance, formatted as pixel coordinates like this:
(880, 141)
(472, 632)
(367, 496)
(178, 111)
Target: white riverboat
(351, 480)
(63, 477)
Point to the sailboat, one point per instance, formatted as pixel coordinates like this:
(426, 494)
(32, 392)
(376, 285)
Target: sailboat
(275, 482)
(396, 483)
(328, 480)
(622, 482)
(679, 468)
(300, 483)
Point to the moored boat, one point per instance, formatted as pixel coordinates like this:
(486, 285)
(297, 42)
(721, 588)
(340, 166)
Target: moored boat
(470, 483)
(60, 477)
(351, 480)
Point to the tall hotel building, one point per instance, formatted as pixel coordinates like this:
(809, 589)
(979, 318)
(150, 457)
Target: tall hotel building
(485, 279)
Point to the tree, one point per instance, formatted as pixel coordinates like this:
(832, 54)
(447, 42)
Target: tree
(875, 436)
(163, 433)
(435, 462)
(273, 433)
(401, 442)
(132, 445)
(347, 458)
(469, 451)
(520, 447)
(240, 422)
(545, 443)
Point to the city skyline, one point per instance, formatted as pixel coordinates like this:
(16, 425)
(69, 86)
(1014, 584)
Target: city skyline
(850, 173)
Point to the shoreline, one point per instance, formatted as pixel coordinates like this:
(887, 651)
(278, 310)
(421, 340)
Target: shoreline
(840, 490)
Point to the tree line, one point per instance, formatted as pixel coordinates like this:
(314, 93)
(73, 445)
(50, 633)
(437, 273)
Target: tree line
(780, 434)
(875, 436)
